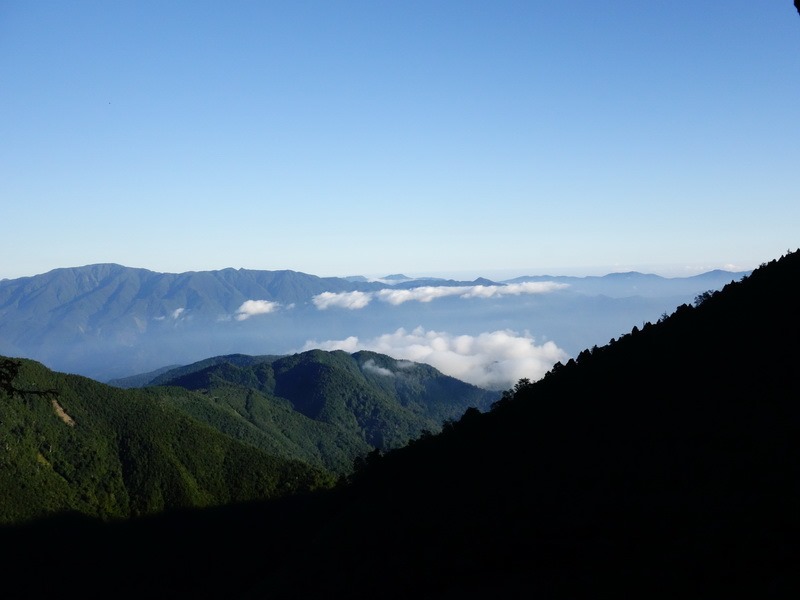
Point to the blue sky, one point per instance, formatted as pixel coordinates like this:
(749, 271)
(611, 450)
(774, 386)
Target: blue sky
(439, 137)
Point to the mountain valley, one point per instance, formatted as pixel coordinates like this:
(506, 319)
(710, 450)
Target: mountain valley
(662, 463)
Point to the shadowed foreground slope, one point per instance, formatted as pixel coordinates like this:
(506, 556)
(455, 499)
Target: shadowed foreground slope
(664, 464)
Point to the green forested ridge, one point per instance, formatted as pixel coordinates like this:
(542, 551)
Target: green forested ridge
(665, 464)
(223, 430)
(141, 379)
(241, 360)
(326, 408)
(271, 424)
(111, 453)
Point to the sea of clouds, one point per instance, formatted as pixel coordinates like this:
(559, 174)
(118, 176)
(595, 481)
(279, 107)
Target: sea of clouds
(493, 360)
(355, 300)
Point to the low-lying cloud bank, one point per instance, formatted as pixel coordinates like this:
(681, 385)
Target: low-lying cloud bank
(493, 360)
(174, 315)
(376, 369)
(250, 308)
(351, 300)
(428, 293)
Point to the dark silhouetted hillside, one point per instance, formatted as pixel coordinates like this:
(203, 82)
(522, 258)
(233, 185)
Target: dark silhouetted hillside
(666, 463)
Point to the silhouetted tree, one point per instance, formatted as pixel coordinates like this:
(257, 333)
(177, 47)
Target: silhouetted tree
(700, 298)
(8, 373)
(364, 462)
(9, 369)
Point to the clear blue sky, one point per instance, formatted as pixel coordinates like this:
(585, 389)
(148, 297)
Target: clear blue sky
(454, 138)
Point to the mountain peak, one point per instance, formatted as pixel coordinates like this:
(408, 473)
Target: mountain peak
(397, 277)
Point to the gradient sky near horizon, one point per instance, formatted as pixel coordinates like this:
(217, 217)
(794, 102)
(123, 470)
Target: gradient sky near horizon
(448, 138)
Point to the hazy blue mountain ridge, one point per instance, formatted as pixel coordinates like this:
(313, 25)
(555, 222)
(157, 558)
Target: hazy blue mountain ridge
(632, 283)
(108, 321)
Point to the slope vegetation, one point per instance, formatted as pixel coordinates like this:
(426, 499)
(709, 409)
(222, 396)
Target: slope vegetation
(325, 408)
(70, 444)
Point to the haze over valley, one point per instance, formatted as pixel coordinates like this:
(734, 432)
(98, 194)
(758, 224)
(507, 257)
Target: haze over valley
(108, 321)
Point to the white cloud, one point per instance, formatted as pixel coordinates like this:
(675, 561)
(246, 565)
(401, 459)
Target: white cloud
(514, 289)
(251, 308)
(428, 293)
(350, 300)
(492, 360)
(378, 370)
(174, 315)
(425, 293)
(350, 345)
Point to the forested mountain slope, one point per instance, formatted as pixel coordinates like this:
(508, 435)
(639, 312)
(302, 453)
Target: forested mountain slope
(663, 464)
(71, 444)
(325, 408)
(224, 430)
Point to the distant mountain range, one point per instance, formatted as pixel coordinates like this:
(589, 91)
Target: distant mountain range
(632, 283)
(108, 321)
